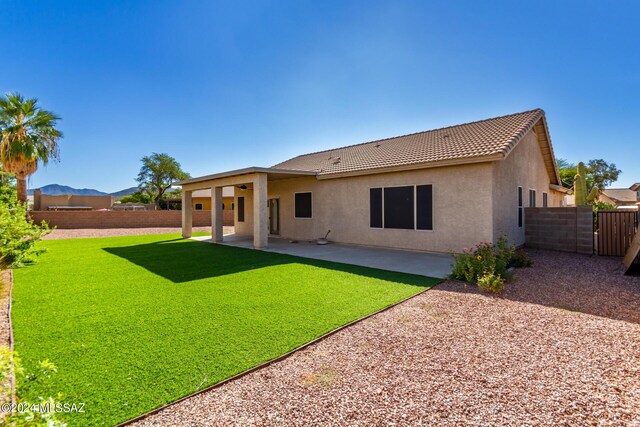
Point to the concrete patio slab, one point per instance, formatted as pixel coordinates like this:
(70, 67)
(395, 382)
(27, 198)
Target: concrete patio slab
(413, 262)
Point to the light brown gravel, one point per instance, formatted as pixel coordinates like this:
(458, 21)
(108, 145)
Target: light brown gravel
(109, 232)
(560, 346)
(4, 306)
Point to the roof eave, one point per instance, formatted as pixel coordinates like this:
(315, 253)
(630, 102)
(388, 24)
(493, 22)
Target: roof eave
(244, 171)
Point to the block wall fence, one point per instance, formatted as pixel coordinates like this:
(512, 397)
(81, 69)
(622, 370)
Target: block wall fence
(124, 219)
(562, 229)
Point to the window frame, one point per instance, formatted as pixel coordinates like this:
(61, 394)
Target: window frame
(294, 205)
(545, 199)
(534, 193)
(520, 203)
(415, 208)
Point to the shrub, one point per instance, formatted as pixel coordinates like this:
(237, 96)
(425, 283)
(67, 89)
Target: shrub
(18, 233)
(491, 282)
(519, 259)
(488, 263)
(32, 414)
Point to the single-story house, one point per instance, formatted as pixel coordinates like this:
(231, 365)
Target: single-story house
(440, 190)
(622, 197)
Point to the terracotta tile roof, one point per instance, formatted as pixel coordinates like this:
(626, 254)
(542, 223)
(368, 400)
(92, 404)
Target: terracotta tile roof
(463, 143)
(623, 195)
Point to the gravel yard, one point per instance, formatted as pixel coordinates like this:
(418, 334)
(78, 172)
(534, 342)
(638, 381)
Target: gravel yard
(561, 345)
(109, 232)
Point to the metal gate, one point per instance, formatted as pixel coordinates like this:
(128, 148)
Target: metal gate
(616, 230)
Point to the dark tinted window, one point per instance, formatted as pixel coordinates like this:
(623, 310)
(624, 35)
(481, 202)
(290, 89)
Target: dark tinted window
(375, 207)
(520, 209)
(424, 208)
(399, 208)
(240, 209)
(303, 206)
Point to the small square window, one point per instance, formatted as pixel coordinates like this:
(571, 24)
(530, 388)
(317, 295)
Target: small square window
(303, 205)
(198, 206)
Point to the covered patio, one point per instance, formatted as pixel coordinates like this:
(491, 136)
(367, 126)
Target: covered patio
(255, 179)
(412, 262)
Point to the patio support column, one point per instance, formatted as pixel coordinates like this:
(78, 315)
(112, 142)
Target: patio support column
(216, 214)
(186, 213)
(260, 212)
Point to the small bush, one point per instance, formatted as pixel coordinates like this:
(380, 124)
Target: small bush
(488, 263)
(18, 233)
(519, 259)
(491, 282)
(40, 413)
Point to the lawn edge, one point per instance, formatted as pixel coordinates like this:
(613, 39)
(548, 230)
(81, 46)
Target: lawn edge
(272, 361)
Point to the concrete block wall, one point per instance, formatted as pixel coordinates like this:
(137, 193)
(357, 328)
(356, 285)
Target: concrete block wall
(123, 219)
(568, 229)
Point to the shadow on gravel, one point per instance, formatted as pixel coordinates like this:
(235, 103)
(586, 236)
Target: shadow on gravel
(580, 283)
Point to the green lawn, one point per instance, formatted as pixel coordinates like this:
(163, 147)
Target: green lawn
(136, 322)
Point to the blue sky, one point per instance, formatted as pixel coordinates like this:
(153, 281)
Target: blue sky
(227, 85)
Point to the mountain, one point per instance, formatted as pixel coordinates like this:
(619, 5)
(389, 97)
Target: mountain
(125, 192)
(55, 189)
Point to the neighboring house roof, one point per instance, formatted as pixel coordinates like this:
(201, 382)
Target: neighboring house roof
(485, 140)
(621, 195)
(635, 187)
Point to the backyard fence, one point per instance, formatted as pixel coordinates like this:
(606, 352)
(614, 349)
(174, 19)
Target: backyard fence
(123, 219)
(616, 230)
(567, 229)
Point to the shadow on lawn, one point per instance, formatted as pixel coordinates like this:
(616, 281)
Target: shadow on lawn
(180, 260)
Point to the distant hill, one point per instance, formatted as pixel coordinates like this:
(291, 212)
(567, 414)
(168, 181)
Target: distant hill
(125, 192)
(56, 189)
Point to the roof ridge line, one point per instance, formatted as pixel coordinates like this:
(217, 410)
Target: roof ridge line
(412, 133)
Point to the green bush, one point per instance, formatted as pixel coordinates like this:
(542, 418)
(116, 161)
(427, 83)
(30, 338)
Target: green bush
(18, 233)
(33, 414)
(491, 282)
(489, 263)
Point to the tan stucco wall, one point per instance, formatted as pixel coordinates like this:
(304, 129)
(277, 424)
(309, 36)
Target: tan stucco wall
(206, 203)
(245, 227)
(523, 167)
(460, 193)
(96, 202)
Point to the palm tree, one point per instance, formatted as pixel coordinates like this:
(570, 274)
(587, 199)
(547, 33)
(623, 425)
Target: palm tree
(28, 136)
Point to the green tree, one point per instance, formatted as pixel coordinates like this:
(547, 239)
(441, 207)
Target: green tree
(136, 197)
(602, 173)
(158, 172)
(28, 137)
(598, 174)
(567, 172)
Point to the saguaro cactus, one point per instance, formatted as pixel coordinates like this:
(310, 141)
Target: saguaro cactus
(580, 186)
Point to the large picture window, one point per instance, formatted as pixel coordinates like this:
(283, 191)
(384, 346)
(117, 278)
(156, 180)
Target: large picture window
(398, 208)
(303, 205)
(406, 208)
